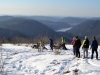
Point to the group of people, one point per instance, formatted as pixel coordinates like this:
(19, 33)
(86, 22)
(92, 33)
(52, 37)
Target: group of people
(41, 43)
(63, 40)
(76, 42)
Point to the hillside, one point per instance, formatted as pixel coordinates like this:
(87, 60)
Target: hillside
(9, 34)
(95, 18)
(6, 18)
(44, 18)
(89, 28)
(73, 20)
(51, 22)
(31, 28)
(56, 25)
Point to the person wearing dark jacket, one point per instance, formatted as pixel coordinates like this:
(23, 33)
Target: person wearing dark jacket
(85, 46)
(94, 46)
(51, 44)
(77, 46)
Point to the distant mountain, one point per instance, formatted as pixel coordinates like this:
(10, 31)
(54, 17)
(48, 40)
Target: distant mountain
(30, 28)
(56, 25)
(88, 28)
(6, 18)
(73, 20)
(51, 22)
(96, 18)
(9, 34)
(43, 18)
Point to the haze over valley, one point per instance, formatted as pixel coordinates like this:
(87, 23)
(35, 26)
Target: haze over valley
(30, 26)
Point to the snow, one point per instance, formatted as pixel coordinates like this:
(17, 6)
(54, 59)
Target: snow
(63, 30)
(24, 60)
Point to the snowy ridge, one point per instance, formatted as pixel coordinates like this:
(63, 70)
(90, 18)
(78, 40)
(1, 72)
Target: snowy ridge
(22, 60)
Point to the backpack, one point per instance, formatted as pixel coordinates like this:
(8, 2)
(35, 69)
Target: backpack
(86, 44)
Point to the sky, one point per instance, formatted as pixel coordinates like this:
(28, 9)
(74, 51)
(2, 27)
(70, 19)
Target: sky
(76, 8)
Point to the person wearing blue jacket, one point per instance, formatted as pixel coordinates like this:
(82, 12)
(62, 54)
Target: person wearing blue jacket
(51, 44)
(94, 46)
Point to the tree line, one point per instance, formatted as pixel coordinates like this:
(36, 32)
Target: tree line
(29, 40)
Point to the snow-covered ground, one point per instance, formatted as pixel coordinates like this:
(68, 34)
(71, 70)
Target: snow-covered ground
(22, 60)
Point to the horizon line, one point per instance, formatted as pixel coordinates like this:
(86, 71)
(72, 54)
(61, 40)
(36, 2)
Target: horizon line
(49, 16)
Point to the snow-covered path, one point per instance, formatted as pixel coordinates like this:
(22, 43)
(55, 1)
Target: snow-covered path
(23, 60)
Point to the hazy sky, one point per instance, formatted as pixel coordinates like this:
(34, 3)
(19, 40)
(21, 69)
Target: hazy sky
(79, 8)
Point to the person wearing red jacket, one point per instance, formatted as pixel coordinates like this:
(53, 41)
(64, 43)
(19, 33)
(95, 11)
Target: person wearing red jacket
(73, 41)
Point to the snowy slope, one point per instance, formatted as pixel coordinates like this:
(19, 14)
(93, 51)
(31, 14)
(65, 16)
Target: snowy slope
(22, 60)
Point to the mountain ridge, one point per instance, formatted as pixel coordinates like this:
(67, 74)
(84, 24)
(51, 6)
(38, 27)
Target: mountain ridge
(88, 28)
(28, 27)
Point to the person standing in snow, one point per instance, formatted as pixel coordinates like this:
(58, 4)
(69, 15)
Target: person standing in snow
(63, 43)
(51, 44)
(73, 41)
(41, 46)
(94, 46)
(85, 46)
(77, 46)
(41, 43)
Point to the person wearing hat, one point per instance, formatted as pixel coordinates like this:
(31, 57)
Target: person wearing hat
(85, 46)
